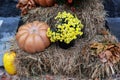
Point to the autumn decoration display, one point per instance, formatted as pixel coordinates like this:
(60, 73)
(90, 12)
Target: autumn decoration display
(32, 37)
(9, 62)
(64, 39)
(26, 5)
(66, 29)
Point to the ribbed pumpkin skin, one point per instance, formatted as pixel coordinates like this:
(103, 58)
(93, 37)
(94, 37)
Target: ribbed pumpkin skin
(45, 3)
(32, 37)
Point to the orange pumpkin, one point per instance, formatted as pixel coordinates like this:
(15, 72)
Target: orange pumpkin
(70, 1)
(32, 37)
(45, 3)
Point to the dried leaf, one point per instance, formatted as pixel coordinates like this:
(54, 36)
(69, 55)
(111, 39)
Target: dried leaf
(96, 79)
(48, 77)
(98, 46)
(108, 54)
(111, 54)
(110, 46)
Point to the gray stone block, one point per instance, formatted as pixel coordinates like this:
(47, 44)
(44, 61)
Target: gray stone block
(114, 26)
(7, 32)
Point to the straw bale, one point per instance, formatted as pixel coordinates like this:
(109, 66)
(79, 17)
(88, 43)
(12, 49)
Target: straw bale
(77, 61)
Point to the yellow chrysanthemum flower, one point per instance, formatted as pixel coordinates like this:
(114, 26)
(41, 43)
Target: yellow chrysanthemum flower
(68, 27)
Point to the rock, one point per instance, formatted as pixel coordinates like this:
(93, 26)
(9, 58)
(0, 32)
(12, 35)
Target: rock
(112, 7)
(7, 31)
(8, 8)
(114, 24)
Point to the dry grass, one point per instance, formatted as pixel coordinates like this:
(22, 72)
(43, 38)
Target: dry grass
(78, 61)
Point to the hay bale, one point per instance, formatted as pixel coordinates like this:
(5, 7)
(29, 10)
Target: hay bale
(78, 61)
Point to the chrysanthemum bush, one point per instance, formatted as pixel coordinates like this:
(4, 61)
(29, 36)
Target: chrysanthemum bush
(66, 29)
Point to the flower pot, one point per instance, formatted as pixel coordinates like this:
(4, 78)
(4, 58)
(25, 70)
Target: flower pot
(64, 45)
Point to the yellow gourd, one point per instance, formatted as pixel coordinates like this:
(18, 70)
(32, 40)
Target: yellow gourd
(8, 62)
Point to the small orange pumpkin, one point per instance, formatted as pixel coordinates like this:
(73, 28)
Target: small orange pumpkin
(32, 37)
(70, 1)
(45, 3)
